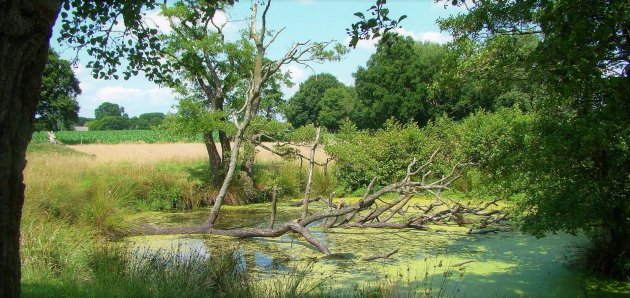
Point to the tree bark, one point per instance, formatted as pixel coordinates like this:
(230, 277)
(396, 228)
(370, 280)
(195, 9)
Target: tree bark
(248, 169)
(225, 149)
(25, 30)
(218, 201)
(214, 159)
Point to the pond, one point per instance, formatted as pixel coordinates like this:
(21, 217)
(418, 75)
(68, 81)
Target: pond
(443, 259)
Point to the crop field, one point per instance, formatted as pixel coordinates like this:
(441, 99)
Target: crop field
(116, 137)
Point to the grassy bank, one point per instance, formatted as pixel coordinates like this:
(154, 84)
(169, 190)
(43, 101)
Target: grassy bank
(75, 206)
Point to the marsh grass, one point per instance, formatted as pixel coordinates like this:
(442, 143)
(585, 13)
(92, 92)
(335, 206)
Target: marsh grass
(115, 272)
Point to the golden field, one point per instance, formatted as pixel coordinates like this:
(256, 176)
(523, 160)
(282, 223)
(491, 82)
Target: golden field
(168, 152)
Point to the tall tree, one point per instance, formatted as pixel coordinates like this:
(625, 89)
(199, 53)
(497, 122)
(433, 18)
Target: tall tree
(110, 123)
(58, 107)
(485, 75)
(337, 104)
(576, 162)
(205, 69)
(150, 120)
(208, 70)
(108, 109)
(264, 69)
(395, 83)
(304, 106)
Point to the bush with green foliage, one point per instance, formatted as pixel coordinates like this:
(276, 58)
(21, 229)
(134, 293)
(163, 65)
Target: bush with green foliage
(482, 141)
(573, 166)
(384, 154)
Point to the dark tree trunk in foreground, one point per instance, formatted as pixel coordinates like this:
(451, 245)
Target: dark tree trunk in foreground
(25, 30)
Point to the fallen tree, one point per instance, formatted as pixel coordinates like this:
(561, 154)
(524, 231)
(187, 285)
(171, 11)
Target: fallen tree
(366, 212)
(352, 215)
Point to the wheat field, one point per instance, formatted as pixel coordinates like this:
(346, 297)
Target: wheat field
(169, 152)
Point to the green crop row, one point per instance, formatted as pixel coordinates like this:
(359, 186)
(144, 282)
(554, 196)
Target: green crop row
(117, 136)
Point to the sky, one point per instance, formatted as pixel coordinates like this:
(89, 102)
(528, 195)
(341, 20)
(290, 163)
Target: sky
(315, 20)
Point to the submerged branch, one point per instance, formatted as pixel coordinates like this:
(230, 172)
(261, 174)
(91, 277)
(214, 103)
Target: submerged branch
(381, 256)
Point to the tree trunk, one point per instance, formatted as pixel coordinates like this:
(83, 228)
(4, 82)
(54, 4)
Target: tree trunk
(215, 163)
(25, 30)
(618, 252)
(225, 150)
(218, 202)
(248, 169)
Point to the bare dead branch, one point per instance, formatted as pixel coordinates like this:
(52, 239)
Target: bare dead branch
(274, 200)
(311, 168)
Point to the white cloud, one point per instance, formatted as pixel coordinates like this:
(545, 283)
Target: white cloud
(135, 101)
(158, 21)
(363, 44)
(298, 75)
(79, 69)
(220, 18)
(431, 36)
(437, 37)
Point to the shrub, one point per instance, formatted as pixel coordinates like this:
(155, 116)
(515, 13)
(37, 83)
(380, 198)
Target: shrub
(483, 140)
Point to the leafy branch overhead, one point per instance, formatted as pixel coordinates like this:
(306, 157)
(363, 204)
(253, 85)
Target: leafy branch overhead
(110, 31)
(375, 25)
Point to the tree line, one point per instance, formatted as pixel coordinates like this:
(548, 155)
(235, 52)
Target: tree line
(111, 116)
(411, 81)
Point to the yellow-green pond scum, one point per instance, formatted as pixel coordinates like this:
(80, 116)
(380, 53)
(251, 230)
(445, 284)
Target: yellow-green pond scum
(442, 260)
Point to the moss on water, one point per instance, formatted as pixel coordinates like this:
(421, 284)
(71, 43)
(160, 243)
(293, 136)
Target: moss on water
(508, 264)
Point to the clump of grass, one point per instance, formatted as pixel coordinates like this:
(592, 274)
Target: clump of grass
(165, 189)
(324, 182)
(112, 271)
(287, 177)
(292, 284)
(180, 273)
(76, 192)
(55, 249)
